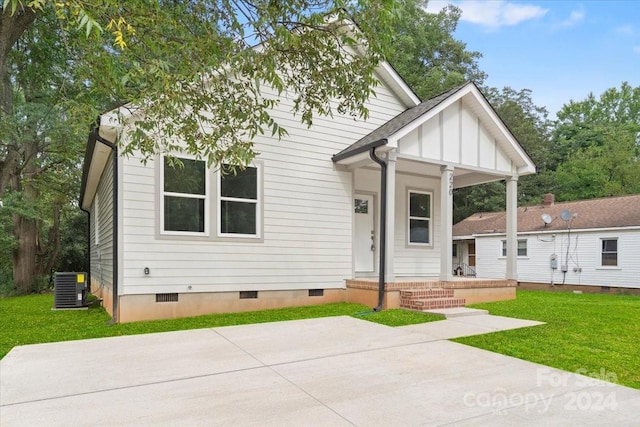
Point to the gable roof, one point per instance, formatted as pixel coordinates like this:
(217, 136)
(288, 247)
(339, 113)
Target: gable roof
(608, 212)
(390, 133)
(379, 136)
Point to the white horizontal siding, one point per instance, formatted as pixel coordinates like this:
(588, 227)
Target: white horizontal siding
(307, 216)
(583, 259)
(409, 260)
(101, 249)
(416, 260)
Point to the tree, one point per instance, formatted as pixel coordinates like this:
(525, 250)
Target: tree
(598, 141)
(184, 75)
(426, 53)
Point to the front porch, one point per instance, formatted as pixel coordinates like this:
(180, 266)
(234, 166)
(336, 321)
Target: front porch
(427, 293)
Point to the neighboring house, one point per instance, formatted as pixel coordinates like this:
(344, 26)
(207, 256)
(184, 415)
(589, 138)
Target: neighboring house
(591, 243)
(309, 221)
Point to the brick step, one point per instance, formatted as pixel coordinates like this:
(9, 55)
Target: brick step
(431, 303)
(426, 293)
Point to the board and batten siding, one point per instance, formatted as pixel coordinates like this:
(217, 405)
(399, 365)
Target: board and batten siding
(584, 261)
(101, 244)
(306, 225)
(410, 260)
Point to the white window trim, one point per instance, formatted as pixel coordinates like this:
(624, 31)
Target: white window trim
(600, 252)
(257, 202)
(503, 244)
(409, 218)
(206, 198)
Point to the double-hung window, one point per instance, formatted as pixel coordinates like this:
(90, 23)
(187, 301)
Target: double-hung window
(238, 202)
(184, 204)
(609, 253)
(522, 248)
(419, 218)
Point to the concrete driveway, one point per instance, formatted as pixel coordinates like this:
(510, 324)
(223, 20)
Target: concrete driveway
(319, 372)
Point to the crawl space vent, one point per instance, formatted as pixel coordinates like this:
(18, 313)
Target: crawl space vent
(248, 294)
(166, 297)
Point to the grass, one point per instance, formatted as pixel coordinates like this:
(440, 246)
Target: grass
(594, 334)
(30, 320)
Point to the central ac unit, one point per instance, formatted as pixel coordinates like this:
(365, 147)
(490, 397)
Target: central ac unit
(70, 290)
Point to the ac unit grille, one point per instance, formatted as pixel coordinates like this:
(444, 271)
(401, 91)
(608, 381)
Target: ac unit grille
(70, 290)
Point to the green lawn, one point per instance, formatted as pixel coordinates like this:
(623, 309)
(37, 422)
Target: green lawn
(30, 320)
(594, 334)
(590, 333)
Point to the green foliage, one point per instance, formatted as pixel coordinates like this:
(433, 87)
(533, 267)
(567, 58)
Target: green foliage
(425, 52)
(589, 332)
(598, 142)
(30, 320)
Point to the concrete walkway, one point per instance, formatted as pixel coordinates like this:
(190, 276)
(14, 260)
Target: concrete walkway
(318, 372)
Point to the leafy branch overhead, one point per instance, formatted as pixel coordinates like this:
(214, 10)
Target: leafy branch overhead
(204, 75)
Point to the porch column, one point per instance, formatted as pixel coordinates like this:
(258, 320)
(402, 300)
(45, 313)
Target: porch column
(446, 223)
(512, 228)
(391, 216)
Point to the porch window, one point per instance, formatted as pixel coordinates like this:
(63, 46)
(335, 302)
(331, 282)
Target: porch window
(609, 252)
(238, 202)
(522, 248)
(419, 218)
(184, 206)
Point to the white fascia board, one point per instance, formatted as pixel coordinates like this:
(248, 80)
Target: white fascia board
(429, 114)
(573, 230)
(529, 166)
(398, 85)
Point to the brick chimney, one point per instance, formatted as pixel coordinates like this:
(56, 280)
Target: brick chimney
(549, 199)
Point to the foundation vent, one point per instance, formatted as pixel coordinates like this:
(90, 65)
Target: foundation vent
(248, 294)
(166, 297)
(316, 292)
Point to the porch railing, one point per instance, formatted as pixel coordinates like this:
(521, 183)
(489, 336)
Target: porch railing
(464, 269)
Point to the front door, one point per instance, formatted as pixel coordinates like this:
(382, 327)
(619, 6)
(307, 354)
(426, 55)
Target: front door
(472, 254)
(364, 245)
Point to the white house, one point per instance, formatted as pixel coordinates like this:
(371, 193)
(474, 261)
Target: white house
(592, 245)
(329, 213)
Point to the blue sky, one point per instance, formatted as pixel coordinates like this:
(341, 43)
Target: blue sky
(561, 50)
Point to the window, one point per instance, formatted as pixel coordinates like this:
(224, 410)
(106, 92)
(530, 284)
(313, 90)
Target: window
(419, 221)
(610, 252)
(238, 213)
(455, 250)
(522, 248)
(184, 197)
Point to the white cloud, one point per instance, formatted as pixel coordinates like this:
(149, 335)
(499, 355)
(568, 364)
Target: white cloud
(636, 49)
(435, 6)
(625, 30)
(576, 17)
(493, 13)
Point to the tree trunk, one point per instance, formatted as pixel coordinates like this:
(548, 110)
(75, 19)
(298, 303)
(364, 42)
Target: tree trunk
(24, 255)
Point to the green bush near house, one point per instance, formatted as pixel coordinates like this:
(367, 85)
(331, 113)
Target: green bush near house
(594, 334)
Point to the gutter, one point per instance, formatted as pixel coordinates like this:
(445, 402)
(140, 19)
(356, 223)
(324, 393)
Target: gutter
(87, 155)
(93, 137)
(361, 149)
(383, 224)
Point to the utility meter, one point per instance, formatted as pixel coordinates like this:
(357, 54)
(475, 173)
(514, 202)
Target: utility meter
(554, 261)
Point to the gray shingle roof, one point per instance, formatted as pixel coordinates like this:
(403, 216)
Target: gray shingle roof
(608, 212)
(378, 137)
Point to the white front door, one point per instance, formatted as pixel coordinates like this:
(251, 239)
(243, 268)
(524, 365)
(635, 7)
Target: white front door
(364, 246)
